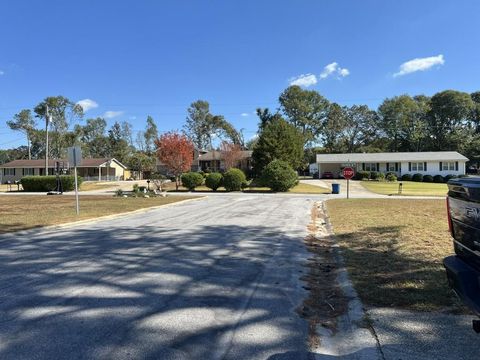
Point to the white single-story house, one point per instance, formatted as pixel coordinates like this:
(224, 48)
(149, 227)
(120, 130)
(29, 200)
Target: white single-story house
(89, 169)
(425, 163)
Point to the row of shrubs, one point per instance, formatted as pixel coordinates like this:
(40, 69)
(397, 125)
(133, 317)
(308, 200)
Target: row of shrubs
(378, 176)
(277, 175)
(48, 183)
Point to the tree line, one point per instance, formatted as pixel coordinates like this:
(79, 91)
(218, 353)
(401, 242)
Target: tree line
(303, 124)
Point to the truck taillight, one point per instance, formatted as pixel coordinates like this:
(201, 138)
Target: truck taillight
(449, 216)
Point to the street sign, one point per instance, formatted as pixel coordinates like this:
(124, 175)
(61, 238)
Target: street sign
(75, 159)
(348, 173)
(74, 156)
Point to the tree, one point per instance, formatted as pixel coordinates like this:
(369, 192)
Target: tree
(201, 126)
(118, 147)
(231, 154)
(62, 111)
(449, 110)
(127, 132)
(175, 151)
(333, 127)
(402, 119)
(278, 140)
(150, 134)
(305, 109)
(25, 123)
(476, 111)
(141, 162)
(361, 127)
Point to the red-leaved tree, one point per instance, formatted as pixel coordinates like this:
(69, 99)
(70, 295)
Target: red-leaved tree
(175, 151)
(231, 154)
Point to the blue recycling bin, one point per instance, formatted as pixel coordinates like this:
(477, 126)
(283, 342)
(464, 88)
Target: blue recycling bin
(335, 188)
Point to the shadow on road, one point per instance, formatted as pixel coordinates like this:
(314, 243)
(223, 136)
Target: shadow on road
(151, 292)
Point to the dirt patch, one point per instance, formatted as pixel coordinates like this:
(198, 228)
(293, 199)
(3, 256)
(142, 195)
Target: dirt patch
(326, 301)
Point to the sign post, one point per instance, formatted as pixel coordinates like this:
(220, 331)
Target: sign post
(75, 159)
(348, 173)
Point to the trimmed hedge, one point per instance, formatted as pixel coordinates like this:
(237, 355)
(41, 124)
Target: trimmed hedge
(234, 180)
(374, 175)
(214, 181)
(428, 178)
(438, 179)
(391, 177)
(450, 176)
(406, 177)
(417, 177)
(49, 183)
(191, 180)
(278, 175)
(362, 175)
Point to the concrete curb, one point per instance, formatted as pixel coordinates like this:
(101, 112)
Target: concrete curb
(355, 338)
(94, 220)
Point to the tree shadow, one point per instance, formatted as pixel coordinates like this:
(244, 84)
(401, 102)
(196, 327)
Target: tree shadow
(151, 292)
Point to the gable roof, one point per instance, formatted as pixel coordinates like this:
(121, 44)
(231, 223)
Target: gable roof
(217, 155)
(391, 157)
(51, 163)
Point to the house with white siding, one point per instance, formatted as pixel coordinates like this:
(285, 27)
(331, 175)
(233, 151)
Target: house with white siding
(400, 163)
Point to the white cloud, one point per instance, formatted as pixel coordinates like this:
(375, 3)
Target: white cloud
(305, 80)
(87, 104)
(334, 69)
(112, 114)
(244, 114)
(419, 64)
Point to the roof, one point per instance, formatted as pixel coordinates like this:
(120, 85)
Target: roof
(393, 157)
(217, 155)
(51, 163)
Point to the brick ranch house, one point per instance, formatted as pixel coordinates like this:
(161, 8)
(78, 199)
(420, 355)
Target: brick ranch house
(400, 163)
(90, 169)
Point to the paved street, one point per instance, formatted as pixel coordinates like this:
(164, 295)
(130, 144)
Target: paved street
(211, 279)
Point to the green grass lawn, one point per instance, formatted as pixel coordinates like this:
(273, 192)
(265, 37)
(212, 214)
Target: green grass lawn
(409, 188)
(393, 249)
(22, 212)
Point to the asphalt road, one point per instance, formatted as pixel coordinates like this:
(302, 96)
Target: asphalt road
(208, 279)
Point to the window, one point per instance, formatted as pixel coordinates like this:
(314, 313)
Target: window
(391, 167)
(27, 172)
(448, 166)
(9, 172)
(370, 167)
(417, 166)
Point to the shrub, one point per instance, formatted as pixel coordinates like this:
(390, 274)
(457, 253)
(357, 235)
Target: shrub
(49, 183)
(135, 188)
(191, 180)
(438, 179)
(391, 177)
(119, 192)
(362, 175)
(428, 178)
(450, 176)
(233, 179)
(380, 176)
(406, 177)
(462, 176)
(214, 181)
(374, 175)
(417, 177)
(278, 175)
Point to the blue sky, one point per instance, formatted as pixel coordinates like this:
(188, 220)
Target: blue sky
(141, 58)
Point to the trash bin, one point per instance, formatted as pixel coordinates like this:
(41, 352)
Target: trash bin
(335, 188)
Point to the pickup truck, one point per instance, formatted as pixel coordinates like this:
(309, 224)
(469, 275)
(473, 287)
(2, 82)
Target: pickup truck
(463, 269)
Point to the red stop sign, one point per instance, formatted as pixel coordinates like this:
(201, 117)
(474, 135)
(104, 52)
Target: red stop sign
(348, 173)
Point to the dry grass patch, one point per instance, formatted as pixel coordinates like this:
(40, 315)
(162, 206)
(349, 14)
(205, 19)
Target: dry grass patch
(96, 185)
(409, 188)
(394, 250)
(22, 212)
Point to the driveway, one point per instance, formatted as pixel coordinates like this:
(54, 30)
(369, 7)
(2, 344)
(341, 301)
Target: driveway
(211, 279)
(356, 188)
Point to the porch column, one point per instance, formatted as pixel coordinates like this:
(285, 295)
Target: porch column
(99, 173)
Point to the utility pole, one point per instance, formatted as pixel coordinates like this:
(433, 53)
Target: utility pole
(47, 121)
